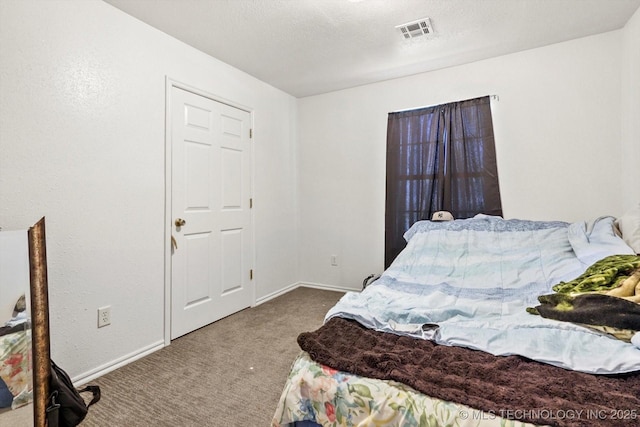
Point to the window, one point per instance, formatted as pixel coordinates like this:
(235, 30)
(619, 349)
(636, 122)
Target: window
(439, 158)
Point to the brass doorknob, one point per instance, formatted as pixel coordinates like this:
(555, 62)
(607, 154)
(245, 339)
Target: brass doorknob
(180, 222)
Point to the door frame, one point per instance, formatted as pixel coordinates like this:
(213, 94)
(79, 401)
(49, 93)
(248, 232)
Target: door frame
(171, 83)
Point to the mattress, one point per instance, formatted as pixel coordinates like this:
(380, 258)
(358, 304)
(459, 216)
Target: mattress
(327, 397)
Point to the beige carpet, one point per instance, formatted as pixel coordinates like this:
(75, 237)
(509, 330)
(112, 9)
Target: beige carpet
(227, 374)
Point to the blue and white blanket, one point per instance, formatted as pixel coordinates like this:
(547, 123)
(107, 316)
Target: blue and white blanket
(468, 283)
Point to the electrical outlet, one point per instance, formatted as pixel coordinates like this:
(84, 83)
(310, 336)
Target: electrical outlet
(104, 316)
(334, 260)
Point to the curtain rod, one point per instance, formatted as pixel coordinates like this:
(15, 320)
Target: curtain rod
(493, 97)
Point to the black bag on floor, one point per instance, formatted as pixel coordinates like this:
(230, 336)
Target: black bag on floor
(66, 407)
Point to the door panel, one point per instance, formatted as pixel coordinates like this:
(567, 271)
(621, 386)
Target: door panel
(198, 272)
(231, 260)
(198, 175)
(231, 179)
(211, 184)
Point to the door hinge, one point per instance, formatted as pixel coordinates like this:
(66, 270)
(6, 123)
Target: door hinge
(250, 203)
(250, 133)
(251, 274)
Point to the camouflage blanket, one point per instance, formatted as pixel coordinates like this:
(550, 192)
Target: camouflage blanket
(603, 275)
(605, 297)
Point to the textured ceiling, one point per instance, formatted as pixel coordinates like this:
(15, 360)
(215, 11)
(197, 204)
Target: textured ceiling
(308, 47)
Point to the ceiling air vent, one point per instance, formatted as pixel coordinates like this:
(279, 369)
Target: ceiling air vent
(417, 28)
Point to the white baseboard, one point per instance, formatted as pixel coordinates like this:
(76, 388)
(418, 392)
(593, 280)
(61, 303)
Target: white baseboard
(276, 294)
(117, 363)
(297, 285)
(145, 351)
(327, 287)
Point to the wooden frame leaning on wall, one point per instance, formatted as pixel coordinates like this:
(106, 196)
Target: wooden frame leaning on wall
(39, 321)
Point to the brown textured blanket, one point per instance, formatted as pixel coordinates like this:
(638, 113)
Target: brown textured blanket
(513, 387)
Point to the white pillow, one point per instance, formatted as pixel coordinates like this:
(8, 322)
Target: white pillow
(635, 340)
(593, 243)
(629, 225)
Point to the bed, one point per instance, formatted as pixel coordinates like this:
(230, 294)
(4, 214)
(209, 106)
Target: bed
(450, 334)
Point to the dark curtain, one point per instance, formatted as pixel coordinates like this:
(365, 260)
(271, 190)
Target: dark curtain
(439, 158)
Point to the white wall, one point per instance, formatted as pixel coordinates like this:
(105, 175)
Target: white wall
(14, 271)
(630, 158)
(82, 122)
(557, 129)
